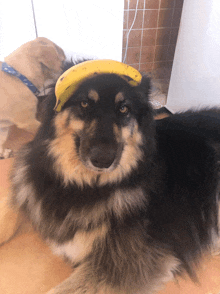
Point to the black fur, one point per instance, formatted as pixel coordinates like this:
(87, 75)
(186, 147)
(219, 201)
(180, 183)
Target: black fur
(175, 181)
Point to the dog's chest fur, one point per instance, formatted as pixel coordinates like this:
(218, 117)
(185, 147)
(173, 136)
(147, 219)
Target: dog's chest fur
(81, 245)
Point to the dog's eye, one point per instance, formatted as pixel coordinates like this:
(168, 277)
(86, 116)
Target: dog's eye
(84, 104)
(123, 109)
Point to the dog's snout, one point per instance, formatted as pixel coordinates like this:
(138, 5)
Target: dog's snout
(102, 156)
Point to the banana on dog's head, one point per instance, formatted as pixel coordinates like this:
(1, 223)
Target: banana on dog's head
(70, 80)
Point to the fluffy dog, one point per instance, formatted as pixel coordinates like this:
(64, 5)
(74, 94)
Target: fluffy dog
(129, 201)
(39, 61)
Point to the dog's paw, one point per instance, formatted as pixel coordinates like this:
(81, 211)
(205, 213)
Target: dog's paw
(6, 153)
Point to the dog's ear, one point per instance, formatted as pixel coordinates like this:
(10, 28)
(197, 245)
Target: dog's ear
(145, 86)
(45, 106)
(49, 55)
(147, 112)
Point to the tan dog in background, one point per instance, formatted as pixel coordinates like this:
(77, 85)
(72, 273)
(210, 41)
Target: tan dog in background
(40, 61)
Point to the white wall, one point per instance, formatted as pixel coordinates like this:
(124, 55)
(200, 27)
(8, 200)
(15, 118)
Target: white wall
(81, 27)
(16, 25)
(195, 78)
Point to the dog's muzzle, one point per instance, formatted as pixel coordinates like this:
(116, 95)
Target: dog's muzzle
(102, 157)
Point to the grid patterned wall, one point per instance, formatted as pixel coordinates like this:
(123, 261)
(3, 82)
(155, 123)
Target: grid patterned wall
(153, 37)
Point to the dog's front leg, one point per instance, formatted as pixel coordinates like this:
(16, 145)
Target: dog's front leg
(9, 219)
(4, 153)
(77, 283)
(84, 281)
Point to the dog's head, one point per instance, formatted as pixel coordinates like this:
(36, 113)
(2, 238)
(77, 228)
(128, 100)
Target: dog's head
(103, 131)
(40, 60)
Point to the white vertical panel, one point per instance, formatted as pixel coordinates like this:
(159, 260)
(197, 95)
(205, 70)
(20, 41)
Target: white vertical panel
(82, 27)
(16, 25)
(195, 78)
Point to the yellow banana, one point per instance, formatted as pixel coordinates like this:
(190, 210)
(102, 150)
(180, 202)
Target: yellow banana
(71, 79)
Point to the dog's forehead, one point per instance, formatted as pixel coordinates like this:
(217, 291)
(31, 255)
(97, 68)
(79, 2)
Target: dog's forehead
(105, 85)
(115, 97)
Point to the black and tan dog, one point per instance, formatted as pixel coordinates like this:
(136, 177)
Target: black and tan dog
(130, 202)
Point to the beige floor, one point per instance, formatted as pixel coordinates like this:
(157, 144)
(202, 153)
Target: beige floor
(27, 266)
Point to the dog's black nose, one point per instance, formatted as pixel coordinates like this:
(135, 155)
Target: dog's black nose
(102, 156)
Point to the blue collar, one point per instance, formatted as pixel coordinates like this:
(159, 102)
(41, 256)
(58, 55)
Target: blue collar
(10, 70)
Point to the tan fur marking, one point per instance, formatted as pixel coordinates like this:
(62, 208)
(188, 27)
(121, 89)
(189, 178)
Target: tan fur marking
(117, 132)
(124, 201)
(67, 162)
(91, 128)
(132, 140)
(61, 121)
(93, 95)
(81, 245)
(63, 149)
(119, 97)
